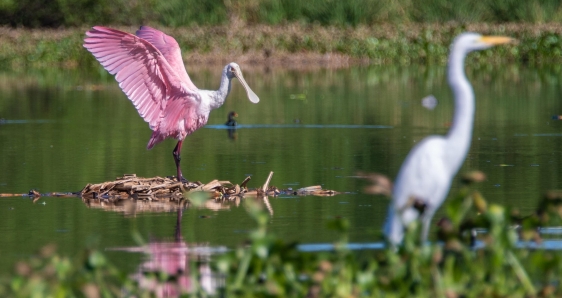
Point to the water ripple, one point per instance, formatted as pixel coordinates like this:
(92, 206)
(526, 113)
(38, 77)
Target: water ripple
(240, 126)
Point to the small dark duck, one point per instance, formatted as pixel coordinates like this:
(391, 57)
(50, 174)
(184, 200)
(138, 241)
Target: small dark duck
(231, 121)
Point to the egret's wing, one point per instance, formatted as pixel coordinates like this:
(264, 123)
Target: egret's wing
(423, 173)
(423, 176)
(142, 72)
(170, 49)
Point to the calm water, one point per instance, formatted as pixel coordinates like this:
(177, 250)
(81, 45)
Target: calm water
(66, 129)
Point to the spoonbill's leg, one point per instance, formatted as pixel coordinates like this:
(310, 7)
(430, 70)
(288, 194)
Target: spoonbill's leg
(178, 225)
(177, 158)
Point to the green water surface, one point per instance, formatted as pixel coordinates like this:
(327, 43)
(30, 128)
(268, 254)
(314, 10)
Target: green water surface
(65, 129)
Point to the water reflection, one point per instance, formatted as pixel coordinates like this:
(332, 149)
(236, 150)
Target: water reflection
(327, 126)
(165, 271)
(132, 207)
(546, 244)
(231, 133)
(7, 121)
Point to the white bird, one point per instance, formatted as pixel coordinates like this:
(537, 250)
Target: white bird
(429, 168)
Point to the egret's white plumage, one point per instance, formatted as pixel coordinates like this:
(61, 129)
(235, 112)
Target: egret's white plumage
(429, 168)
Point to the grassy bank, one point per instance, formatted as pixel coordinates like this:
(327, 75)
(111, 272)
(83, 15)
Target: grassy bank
(295, 45)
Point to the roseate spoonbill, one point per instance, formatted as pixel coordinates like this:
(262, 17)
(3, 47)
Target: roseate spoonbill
(429, 168)
(231, 121)
(150, 70)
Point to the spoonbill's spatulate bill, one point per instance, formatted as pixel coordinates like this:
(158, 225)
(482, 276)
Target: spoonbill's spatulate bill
(429, 168)
(149, 68)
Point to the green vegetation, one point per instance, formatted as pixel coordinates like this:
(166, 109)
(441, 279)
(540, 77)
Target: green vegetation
(266, 266)
(295, 45)
(174, 13)
(290, 31)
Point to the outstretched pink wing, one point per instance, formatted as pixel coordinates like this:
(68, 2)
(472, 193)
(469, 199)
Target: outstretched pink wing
(141, 70)
(169, 48)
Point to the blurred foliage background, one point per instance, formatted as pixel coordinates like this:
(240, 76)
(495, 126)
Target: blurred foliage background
(37, 34)
(175, 13)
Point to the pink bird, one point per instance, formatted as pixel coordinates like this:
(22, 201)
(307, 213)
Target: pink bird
(149, 68)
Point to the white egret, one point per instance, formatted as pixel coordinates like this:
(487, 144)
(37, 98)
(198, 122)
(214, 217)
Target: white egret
(429, 168)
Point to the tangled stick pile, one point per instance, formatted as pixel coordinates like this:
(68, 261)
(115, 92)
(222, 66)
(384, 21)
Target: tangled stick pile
(131, 186)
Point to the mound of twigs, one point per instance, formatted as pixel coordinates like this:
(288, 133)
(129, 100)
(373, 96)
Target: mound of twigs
(131, 186)
(131, 194)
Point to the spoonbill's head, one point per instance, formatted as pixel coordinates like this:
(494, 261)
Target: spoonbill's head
(233, 71)
(470, 41)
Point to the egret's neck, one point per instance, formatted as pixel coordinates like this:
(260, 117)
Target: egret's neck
(218, 97)
(460, 134)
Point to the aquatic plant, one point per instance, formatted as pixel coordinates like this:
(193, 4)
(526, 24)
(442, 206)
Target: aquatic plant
(463, 264)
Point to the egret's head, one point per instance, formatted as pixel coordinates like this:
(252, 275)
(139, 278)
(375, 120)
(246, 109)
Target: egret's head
(233, 71)
(473, 41)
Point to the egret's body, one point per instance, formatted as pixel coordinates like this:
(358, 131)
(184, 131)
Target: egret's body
(426, 174)
(150, 70)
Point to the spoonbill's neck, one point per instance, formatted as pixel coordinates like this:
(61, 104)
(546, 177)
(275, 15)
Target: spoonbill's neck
(460, 134)
(219, 96)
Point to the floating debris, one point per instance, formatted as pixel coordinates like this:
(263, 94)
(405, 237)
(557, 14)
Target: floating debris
(473, 176)
(429, 102)
(380, 184)
(131, 194)
(131, 186)
(300, 96)
(34, 193)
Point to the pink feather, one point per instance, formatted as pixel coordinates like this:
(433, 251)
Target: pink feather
(150, 70)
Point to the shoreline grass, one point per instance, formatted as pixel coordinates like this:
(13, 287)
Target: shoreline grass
(295, 45)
